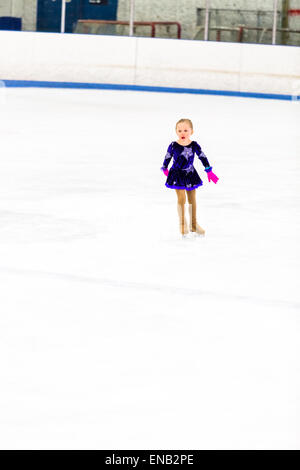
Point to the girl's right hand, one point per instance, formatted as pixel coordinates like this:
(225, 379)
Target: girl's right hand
(166, 171)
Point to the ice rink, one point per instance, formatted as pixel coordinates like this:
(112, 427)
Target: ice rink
(115, 332)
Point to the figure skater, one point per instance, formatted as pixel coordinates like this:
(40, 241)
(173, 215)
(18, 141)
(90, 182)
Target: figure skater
(183, 176)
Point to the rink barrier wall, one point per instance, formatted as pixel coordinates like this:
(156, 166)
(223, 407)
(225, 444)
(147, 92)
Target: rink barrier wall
(149, 64)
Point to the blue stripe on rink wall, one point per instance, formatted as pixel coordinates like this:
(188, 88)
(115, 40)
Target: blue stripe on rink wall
(111, 86)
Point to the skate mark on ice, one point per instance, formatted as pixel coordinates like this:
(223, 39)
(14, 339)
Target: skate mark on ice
(159, 288)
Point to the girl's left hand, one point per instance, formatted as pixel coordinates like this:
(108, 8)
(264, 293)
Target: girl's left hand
(212, 177)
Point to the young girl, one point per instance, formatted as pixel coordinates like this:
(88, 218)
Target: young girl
(183, 176)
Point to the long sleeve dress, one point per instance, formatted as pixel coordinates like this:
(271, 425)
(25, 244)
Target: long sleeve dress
(182, 174)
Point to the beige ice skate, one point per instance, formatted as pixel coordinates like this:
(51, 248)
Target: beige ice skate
(183, 226)
(194, 226)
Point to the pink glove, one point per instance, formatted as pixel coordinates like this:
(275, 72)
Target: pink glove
(166, 171)
(212, 177)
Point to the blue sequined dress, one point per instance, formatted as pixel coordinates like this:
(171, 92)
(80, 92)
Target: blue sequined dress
(182, 174)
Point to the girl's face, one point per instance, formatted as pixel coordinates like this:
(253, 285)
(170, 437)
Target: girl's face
(184, 132)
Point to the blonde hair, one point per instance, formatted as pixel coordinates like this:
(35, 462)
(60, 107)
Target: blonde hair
(184, 120)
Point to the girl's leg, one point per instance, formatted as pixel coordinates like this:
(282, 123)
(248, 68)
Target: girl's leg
(194, 227)
(180, 208)
(192, 209)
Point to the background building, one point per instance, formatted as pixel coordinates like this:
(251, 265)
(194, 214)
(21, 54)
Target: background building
(45, 15)
(26, 10)
(224, 18)
(226, 13)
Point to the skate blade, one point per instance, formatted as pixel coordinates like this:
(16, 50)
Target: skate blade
(188, 236)
(197, 235)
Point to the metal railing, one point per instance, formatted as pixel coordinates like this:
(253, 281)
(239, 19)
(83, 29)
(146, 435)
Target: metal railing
(152, 24)
(265, 30)
(240, 31)
(207, 27)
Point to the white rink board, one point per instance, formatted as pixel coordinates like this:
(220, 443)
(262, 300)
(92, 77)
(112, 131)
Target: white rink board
(149, 61)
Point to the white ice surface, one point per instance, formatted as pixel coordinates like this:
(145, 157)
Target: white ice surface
(117, 334)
